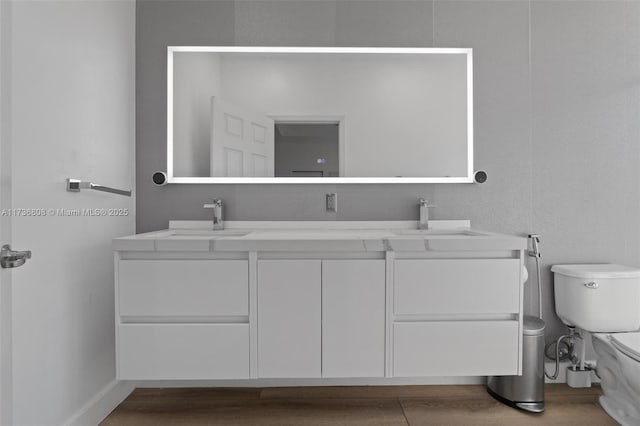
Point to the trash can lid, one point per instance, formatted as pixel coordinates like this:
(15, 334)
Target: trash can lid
(532, 326)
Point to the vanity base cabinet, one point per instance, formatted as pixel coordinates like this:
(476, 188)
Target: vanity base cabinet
(455, 348)
(353, 318)
(183, 351)
(306, 315)
(289, 318)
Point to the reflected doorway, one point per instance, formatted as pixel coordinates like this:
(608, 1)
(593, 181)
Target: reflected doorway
(307, 149)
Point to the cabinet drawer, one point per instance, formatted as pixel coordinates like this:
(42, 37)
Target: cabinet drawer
(454, 286)
(174, 288)
(460, 348)
(183, 351)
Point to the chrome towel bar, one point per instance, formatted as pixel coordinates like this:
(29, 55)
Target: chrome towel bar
(75, 185)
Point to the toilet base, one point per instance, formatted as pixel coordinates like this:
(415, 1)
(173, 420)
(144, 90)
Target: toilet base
(620, 382)
(618, 414)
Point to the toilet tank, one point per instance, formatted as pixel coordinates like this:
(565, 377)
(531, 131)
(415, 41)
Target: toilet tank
(598, 297)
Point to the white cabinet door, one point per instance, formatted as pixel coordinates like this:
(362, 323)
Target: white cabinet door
(353, 318)
(289, 318)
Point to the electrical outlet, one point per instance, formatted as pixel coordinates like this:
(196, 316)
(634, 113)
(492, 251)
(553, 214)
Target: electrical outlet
(332, 202)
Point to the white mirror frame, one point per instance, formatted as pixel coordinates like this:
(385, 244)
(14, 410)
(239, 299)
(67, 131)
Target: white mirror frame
(325, 180)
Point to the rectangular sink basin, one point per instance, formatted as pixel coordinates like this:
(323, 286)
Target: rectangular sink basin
(302, 234)
(442, 232)
(204, 233)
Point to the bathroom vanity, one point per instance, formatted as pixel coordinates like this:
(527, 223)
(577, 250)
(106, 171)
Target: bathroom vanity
(317, 300)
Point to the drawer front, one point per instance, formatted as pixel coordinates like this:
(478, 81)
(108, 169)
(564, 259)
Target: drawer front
(455, 286)
(174, 288)
(456, 348)
(183, 351)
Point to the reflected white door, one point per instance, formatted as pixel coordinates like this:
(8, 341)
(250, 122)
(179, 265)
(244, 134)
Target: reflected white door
(242, 141)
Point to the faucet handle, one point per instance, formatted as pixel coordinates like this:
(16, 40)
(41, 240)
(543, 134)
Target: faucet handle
(422, 202)
(216, 203)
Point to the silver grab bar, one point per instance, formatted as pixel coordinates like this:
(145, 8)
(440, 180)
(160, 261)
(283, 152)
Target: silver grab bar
(75, 185)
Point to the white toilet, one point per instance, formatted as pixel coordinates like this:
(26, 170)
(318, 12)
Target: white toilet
(604, 300)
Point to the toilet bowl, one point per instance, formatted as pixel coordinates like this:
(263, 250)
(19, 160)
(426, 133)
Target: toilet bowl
(604, 300)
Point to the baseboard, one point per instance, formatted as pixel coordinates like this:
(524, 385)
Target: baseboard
(259, 383)
(99, 407)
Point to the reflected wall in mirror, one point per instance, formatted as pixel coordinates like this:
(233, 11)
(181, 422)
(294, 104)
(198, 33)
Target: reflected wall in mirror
(300, 115)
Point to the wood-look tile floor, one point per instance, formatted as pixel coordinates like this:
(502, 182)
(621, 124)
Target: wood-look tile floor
(361, 405)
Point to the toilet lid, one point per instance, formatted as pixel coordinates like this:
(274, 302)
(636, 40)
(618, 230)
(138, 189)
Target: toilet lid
(628, 343)
(596, 270)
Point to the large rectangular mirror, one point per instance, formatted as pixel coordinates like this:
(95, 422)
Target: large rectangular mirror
(311, 115)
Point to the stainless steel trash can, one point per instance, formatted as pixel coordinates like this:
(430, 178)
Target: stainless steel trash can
(525, 392)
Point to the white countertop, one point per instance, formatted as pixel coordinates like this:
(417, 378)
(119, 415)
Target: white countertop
(319, 236)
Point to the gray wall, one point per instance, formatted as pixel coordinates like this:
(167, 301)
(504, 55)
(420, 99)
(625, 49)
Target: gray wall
(557, 117)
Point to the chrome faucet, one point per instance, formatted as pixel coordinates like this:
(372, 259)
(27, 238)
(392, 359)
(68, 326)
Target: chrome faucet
(218, 221)
(423, 223)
